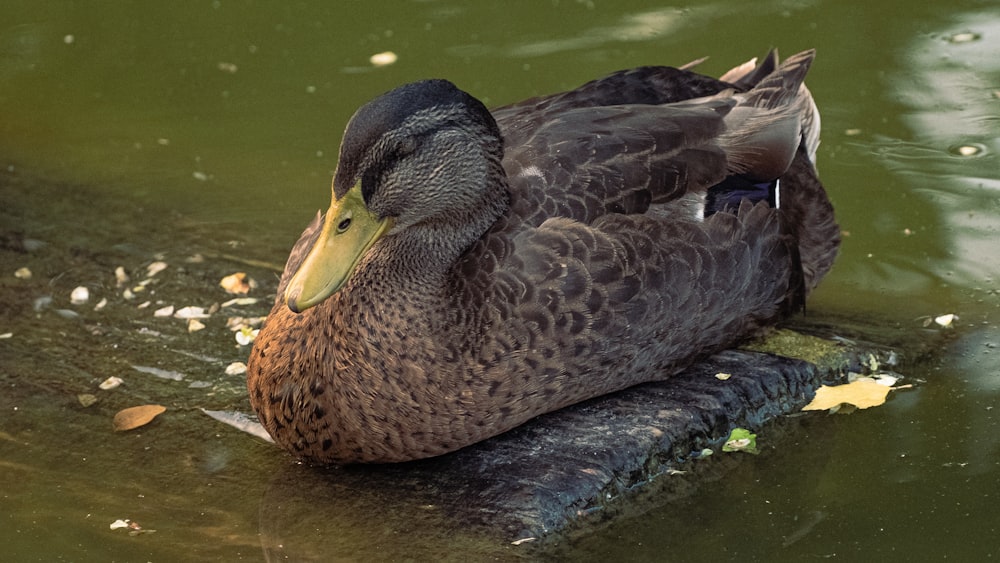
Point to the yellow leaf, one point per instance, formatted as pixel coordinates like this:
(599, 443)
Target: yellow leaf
(862, 393)
(134, 417)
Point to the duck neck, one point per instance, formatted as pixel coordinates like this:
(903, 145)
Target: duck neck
(413, 268)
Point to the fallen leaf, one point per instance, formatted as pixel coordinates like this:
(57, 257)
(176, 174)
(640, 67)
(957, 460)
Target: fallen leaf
(863, 393)
(134, 417)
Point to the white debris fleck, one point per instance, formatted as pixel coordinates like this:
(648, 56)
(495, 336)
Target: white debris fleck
(22, 274)
(194, 325)
(191, 312)
(111, 382)
(164, 311)
(161, 373)
(227, 67)
(69, 39)
(118, 524)
(240, 421)
(121, 278)
(246, 335)
(946, 320)
(384, 58)
(101, 304)
(723, 376)
(236, 368)
(885, 379)
(240, 301)
(155, 268)
(6, 335)
(200, 176)
(79, 296)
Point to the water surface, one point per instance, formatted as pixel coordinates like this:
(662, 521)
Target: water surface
(203, 134)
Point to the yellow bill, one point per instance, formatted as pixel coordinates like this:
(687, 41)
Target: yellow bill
(348, 232)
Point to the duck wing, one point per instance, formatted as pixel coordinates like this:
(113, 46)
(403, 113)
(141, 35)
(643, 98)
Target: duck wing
(585, 162)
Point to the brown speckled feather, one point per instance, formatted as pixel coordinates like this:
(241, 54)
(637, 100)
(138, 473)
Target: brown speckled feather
(593, 273)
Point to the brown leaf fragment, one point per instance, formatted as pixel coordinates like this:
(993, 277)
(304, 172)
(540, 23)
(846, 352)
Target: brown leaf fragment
(238, 284)
(134, 417)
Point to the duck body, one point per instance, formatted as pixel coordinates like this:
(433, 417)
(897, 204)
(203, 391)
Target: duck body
(509, 264)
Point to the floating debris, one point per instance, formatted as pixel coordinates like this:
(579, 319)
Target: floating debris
(121, 278)
(239, 323)
(236, 368)
(161, 373)
(523, 540)
(79, 296)
(134, 529)
(164, 311)
(199, 384)
(6, 335)
(194, 325)
(22, 273)
(964, 37)
(101, 304)
(155, 268)
(227, 67)
(972, 149)
(246, 335)
(128, 295)
(67, 314)
(41, 303)
(134, 417)
(723, 376)
(945, 321)
(240, 421)
(741, 440)
(241, 301)
(863, 393)
(238, 284)
(110, 383)
(86, 399)
(385, 58)
(191, 312)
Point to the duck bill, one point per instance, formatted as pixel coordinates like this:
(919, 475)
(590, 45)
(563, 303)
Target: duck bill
(349, 230)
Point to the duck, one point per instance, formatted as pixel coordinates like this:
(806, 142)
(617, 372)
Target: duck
(477, 269)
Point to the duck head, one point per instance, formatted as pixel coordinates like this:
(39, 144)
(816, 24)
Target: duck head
(422, 157)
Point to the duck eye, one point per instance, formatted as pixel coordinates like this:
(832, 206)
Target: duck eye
(344, 225)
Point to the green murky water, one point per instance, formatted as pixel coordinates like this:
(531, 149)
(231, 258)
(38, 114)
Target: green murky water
(204, 133)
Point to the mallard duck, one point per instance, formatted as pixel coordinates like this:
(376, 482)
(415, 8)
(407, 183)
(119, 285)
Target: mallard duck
(478, 269)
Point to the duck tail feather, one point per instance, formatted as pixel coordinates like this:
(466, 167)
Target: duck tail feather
(749, 74)
(766, 127)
